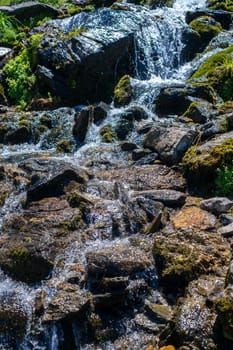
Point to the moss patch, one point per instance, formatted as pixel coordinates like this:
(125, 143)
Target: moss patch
(123, 91)
(206, 27)
(224, 308)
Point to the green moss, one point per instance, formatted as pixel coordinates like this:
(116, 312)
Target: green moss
(201, 166)
(123, 91)
(64, 146)
(224, 308)
(217, 72)
(202, 25)
(226, 5)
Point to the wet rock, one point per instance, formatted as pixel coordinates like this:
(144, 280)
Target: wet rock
(86, 65)
(13, 320)
(143, 129)
(147, 159)
(30, 9)
(54, 185)
(195, 322)
(224, 17)
(67, 305)
(207, 28)
(146, 178)
(140, 153)
(171, 143)
(188, 252)
(109, 263)
(217, 205)
(172, 101)
(81, 123)
(99, 112)
(226, 231)
(170, 198)
(198, 112)
(136, 113)
(33, 238)
(123, 127)
(26, 266)
(128, 146)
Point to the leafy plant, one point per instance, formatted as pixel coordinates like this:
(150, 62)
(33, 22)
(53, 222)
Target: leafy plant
(20, 78)
(224, 181)
(8, 28)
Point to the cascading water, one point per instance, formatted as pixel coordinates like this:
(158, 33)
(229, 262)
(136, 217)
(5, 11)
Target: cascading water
(158, 36)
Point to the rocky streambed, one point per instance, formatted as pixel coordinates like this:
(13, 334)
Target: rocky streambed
(116, 179)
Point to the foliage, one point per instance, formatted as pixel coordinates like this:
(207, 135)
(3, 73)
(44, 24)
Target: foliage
(8, 29)
(224, 181)
(20, 78)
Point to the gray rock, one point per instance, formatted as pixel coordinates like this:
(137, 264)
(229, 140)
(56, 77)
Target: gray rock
(168, 197)
(217, 205)
(139, 153)
(67, 305)
(169, 143)
(111, 263)
(226, 231)
(30, 9)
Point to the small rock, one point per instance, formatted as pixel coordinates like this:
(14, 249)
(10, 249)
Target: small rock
(139, 153)
(170, 198)
(217, 205)
(128, 146)
(226, 231)
(67, 305)
(192, 218)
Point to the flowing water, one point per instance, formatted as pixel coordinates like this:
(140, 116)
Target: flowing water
(158, 36)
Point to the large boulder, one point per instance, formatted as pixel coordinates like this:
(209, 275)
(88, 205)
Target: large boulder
(83, 59)
(30, 9)
(201, 162)
(169, 143)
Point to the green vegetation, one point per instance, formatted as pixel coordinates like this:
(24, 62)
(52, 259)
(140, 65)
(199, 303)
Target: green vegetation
(217, 72)
(55, 3)
(8, 29)
(224, 307)
(204, 27)
(20, 79)
(226, 5)
(224, 181)
(201, 165)
(19, 71)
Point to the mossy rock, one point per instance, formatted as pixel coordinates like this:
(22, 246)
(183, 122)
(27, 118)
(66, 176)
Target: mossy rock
(123, 92)
(2, 95)
(183, 256)
(159, 3)
(201, 162)
(224, 308)
(196, 113)
(217, 72)
(226, 5)
(65, 146)
(206, 27)
(26, 266)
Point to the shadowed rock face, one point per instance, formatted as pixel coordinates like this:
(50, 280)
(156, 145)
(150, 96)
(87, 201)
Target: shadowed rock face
(83, 58)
